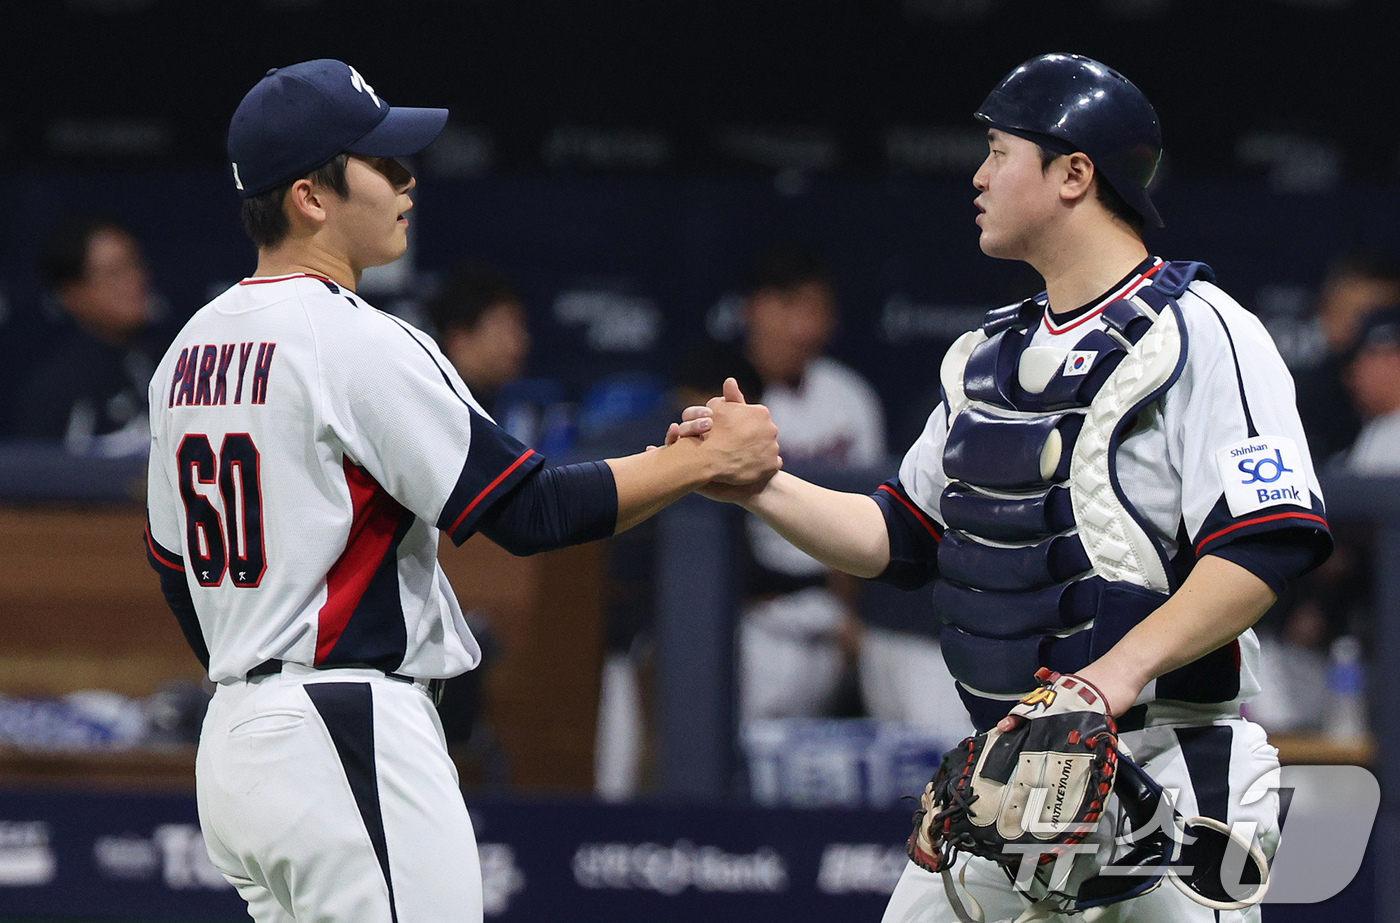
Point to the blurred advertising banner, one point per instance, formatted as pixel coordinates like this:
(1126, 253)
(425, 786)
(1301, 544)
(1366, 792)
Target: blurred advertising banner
(141, 857)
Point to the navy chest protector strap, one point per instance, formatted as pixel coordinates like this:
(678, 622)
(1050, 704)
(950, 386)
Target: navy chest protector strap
(1018, 446)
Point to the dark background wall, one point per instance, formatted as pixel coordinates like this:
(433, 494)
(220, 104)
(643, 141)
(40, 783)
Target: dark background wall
(624, 160)
(702, 85)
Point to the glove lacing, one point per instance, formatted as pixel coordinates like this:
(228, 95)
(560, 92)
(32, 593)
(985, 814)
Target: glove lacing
(1046, 909)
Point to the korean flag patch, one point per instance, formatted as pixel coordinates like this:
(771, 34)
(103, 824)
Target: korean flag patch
(1079, 362)
(1262, 472)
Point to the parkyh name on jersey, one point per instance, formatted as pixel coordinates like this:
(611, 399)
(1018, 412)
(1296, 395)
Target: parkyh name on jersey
(202, 372)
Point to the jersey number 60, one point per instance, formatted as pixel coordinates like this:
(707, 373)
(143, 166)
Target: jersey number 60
(236, 470)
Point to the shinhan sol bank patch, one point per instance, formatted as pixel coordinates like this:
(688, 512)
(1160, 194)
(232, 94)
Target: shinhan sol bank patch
(1261, 472)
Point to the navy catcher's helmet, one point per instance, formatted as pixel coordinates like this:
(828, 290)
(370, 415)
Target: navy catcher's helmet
(1067, 103)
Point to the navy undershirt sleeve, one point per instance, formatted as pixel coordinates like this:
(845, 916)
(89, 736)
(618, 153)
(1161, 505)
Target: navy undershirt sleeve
(554, 508)
(170, 567)
(914, 539)
(1276, 558)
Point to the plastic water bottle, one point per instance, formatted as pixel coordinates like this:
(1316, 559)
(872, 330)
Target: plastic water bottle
(1346, 686)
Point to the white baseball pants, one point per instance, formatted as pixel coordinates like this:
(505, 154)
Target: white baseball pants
(327, 796)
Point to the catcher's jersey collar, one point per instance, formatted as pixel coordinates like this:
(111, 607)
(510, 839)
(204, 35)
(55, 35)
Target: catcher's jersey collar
(1129, 284)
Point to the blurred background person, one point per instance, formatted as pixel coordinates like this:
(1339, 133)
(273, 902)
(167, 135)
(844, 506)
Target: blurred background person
(481, 323)
(89, 388)
(1335, 601)
(625, 734)
(1373, 378)
(1357, 283)
(478, 317)
(799, 629)
(902, 674)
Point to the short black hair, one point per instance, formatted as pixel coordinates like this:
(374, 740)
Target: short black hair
(1115, 203)
(706, 365)
(264, 218)
(63, 255)
(472, 288)
(787, 265)
(1366, 263)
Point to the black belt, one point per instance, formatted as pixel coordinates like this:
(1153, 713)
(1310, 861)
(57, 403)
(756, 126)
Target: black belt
(435, 686)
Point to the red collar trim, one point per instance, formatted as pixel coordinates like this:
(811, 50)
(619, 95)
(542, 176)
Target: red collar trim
(1123, 292)
(263, 280)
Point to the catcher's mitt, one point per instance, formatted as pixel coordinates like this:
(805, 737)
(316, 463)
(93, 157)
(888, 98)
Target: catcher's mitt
(1043, 784)
(1042, 788)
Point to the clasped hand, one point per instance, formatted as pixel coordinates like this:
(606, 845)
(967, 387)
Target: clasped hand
(742, 435)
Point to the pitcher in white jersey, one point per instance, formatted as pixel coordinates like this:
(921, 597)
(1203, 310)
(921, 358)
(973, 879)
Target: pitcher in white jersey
(306, 449)
(1115, 484)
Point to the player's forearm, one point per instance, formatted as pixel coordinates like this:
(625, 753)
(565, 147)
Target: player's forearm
(739, 447)
(1218, 602)
(648, 482)
(845, 531)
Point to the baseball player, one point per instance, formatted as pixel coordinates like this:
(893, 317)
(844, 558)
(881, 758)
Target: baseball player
(790, 636)
(305, 451)
(1115, 484)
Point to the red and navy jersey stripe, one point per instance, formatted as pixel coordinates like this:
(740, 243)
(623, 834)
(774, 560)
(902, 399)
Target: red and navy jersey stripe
(362, 620)
(1308, 526)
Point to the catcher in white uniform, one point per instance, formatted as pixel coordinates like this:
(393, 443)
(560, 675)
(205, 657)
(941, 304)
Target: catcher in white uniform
(305, 451)
(1116, 485)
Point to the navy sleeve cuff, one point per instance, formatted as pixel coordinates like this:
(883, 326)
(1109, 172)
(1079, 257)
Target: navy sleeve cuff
(914, 538)
(1282, 525)
(1276, 558)
(555, 508)
(496, 463)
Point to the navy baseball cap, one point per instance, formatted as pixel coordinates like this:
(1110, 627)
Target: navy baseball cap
(300, 117)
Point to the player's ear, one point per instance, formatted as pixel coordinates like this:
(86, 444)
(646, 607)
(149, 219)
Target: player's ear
(304, 202)
(1078, 177)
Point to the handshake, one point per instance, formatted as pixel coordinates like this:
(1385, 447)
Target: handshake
(736, 442)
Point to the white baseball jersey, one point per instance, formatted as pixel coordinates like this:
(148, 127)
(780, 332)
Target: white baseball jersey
(1220, 456)
(790, 662)
(833, 416)
(1377, 447)
(305, 450)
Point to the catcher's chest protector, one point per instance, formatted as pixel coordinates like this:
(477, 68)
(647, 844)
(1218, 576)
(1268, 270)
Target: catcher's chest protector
(1045, 562)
